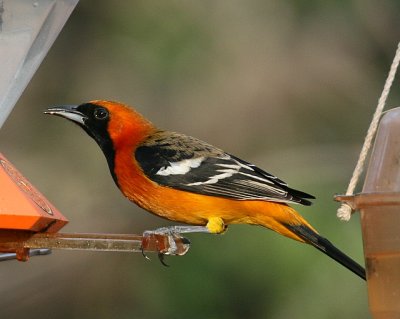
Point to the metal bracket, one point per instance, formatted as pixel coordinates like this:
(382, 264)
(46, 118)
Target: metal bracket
(21, 245)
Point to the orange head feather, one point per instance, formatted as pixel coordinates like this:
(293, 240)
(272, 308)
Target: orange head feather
(126, 127)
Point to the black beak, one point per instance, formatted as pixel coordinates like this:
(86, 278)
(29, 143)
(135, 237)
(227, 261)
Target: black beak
(69, 112)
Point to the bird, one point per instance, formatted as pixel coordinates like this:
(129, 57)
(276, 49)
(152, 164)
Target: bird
(186, 180)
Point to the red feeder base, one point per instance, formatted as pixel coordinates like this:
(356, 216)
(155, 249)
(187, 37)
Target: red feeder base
(22, 206)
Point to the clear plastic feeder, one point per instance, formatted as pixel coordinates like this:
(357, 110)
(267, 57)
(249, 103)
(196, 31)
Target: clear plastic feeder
(27, 31)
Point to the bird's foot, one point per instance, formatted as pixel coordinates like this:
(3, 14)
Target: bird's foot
(168, 240)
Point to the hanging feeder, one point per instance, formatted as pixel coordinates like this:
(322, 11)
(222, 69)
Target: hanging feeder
(379, 205)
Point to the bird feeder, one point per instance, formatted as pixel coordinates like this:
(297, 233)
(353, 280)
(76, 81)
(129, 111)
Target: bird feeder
(27, 31)
(22, 206)
(28, 221)
(379, 205)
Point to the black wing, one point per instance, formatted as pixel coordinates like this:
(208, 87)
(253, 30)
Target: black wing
(185, 163)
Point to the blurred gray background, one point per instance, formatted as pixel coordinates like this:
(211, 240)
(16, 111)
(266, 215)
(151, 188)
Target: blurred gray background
(288, 85)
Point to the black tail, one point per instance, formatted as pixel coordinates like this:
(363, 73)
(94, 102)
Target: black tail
(327, 248)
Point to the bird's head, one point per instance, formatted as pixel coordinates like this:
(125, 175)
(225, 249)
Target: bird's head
(111, 124)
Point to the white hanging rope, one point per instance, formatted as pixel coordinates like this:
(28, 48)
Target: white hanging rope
(344, 212)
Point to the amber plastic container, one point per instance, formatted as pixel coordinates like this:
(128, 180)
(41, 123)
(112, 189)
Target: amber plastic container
(379, 205)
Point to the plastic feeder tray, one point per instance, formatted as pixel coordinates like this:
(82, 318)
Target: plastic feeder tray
(22, 206)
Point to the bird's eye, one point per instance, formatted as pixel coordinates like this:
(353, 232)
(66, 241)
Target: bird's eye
(100, 113)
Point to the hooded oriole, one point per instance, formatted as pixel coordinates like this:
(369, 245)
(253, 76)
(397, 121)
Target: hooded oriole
(183, 179)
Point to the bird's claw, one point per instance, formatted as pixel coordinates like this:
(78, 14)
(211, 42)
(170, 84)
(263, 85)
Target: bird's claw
(166, 241)
(143, 253)
(161, 258)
